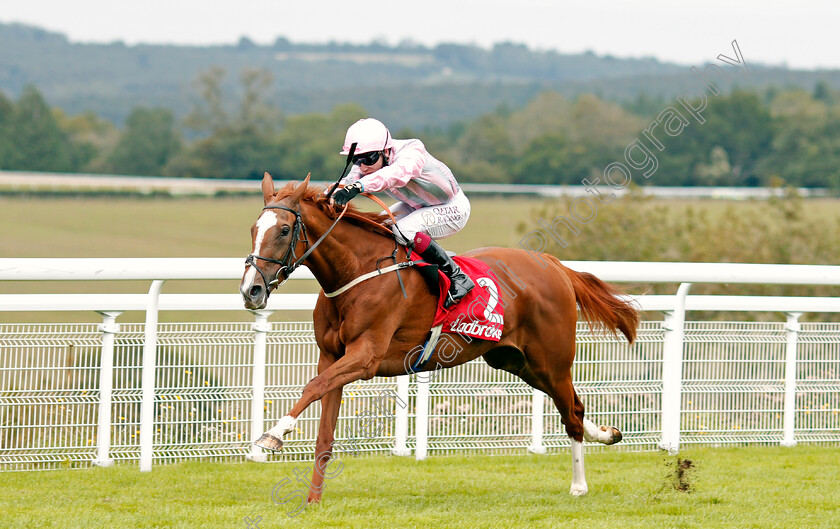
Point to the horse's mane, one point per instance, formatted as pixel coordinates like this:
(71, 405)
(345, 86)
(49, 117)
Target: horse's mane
(373, 222)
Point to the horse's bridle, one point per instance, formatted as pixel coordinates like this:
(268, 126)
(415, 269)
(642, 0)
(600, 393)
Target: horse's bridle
(286, 268)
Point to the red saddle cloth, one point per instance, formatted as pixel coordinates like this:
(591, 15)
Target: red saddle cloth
(480, 314)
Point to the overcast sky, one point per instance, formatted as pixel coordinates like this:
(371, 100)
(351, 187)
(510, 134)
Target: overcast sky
(801, 34)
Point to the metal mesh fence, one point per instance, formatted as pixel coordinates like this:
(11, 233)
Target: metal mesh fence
(48, 403)
(733, 391)
(733, 382)
(818, 383)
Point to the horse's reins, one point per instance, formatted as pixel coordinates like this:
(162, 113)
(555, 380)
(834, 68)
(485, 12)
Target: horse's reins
(285, 268)
(346, 165)
(379, 271)
(299, 227)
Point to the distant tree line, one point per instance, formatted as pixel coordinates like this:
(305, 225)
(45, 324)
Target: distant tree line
(635, 227)
(749, 138)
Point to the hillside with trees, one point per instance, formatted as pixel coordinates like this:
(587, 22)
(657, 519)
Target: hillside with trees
(407, 85)
(748, 138)
(504, 115)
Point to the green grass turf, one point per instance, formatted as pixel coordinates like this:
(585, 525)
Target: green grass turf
(743, 487)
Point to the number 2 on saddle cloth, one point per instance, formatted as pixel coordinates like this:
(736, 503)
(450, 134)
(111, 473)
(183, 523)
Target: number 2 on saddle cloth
(480, 314)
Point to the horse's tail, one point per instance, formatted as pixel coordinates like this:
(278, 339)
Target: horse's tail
(601, 302)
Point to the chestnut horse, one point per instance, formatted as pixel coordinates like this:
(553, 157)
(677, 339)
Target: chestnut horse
(369, 329)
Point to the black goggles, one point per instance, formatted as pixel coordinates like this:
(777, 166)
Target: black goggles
(368, 158)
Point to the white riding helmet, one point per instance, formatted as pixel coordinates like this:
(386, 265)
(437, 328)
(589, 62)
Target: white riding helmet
(369, 135)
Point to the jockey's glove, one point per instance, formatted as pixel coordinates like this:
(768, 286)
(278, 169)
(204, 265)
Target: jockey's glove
(346, 193)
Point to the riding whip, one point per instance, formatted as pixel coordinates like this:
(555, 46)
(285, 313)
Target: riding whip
(349, 161)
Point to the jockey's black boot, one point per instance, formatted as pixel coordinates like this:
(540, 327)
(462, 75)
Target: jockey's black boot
(460, 283)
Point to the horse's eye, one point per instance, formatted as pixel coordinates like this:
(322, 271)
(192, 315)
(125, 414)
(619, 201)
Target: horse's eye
(285, 231)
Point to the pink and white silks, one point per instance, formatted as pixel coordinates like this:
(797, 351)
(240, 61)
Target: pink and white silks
(430, 199)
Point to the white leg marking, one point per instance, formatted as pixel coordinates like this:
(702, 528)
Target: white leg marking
(283, 426)
(593, 433)
(579, 487)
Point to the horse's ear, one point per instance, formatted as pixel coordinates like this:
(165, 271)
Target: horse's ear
(267, 188)
(300, 189)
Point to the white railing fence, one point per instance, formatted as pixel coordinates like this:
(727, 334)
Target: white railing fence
(79, 394)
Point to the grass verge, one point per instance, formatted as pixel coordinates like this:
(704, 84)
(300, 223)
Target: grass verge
(737, 487)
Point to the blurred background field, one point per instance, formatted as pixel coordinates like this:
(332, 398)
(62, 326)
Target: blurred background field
(191, 227)
(128, 226)
(631, 228)
(218, 227)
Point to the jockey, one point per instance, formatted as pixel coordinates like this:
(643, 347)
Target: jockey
(431, 203)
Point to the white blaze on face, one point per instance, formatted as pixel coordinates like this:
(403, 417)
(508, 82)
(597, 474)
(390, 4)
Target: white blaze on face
(266, 221)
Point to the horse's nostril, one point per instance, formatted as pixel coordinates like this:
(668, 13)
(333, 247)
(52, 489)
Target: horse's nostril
(255, 291)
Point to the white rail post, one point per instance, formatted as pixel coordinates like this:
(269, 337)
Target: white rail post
(421, 428)
(672, 361)
(401, 420)
(261, 329)
(537, 407)
(793, 327)
(109, 329)
(147, 403)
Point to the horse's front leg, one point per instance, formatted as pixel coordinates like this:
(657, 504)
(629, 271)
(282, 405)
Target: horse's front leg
(358, 363)
(330, 405)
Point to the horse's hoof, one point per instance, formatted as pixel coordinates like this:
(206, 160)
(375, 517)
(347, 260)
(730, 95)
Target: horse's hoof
(615, 435)
(269, 442)
(579, 490)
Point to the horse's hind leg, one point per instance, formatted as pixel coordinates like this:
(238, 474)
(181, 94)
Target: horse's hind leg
(545, 372)
(558, 385)
(571, 413)
(579, 428)
(592, 433)
(608, 435)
